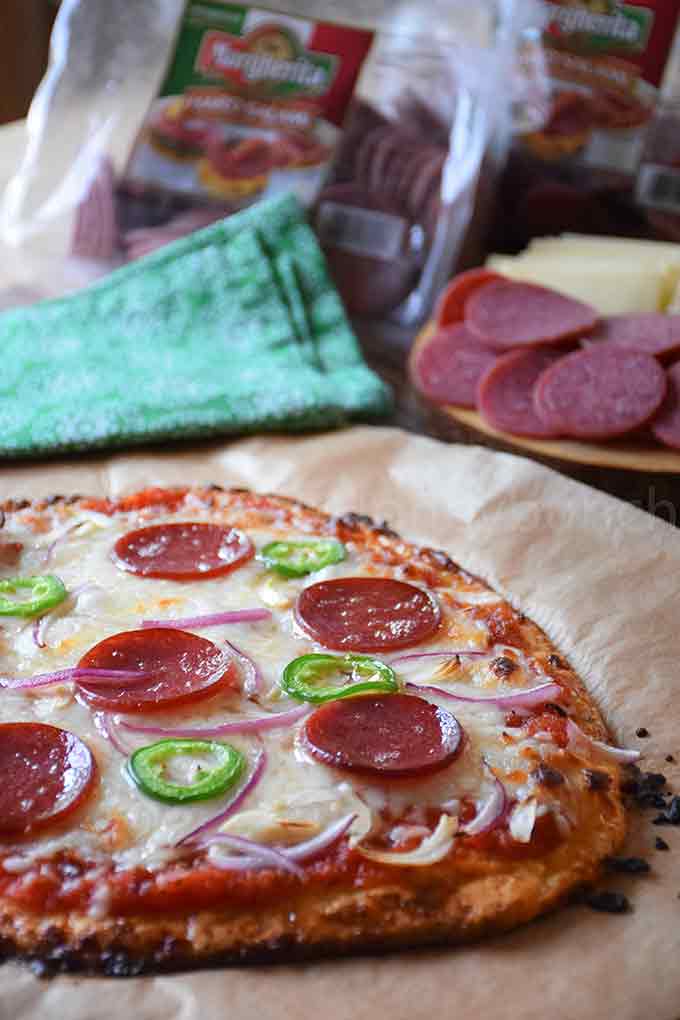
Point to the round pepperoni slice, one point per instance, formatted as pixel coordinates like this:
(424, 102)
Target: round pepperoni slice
(370, 614)
(181, 668)
(600, 393)
(395, 736)
(508, 314)
(505, 395)
(647, 332)
(183, 551)
(666, 425)
(448, 368)
(46, 774)
(451, 305)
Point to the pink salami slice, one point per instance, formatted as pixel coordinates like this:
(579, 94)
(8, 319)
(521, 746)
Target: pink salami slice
(505, 393)
(448, 368)
(507, 314)
(648, 332)
(600, 393)
(666, 425)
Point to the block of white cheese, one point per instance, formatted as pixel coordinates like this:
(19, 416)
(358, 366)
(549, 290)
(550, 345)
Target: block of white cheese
(614, 286)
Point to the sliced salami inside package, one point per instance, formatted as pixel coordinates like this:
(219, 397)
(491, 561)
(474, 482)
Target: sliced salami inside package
(388, 121)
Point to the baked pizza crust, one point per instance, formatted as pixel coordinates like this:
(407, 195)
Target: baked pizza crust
(448, 903)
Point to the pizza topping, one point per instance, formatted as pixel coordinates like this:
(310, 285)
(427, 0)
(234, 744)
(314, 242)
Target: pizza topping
(249, 855)
(259, 724)
(47, 773)
(63, 676)
(361, 675)
(545, 775)
(596, 780)
(389, 735)
(368, 614)
(196, 836)
(183, 551)
(150, 768)
(211, 620)
(577, 739)
(522, 820)
(490, 813)
(182, 668)
(519, 699)
(297, 559)
(46, 592)
(433, 848)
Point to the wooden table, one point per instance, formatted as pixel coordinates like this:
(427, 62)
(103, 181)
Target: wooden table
(658, 494)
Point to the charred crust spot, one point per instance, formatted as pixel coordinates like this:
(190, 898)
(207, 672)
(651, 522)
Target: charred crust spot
(642, 732)
(670, 759)
(503, 666)
(440, 559)
(355, 522)
(597, 781)
(547, 775)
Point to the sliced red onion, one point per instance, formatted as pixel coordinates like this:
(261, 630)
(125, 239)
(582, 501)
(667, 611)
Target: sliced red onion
(275, 721)
(520, 699)
(107, 726)
(316, 845)
(266, 856)
(490, 814)
(234, 862)
(253, 681)
(448, 654)
(231, 808)
(69, 675)
(618, 754)
(212, 620)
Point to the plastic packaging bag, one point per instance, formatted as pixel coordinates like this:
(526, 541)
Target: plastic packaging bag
(389, 121)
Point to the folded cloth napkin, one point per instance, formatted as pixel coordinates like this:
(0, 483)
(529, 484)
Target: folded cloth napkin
(236, 328)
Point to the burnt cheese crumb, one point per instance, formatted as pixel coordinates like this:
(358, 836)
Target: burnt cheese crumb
(641, 732)
(628, 865)
(645, 787)
(596, 780)
(503, 666)
(556, 709)
(661, 844)
(547, 775)
(609, 902)
(555, 662)
(671, 816)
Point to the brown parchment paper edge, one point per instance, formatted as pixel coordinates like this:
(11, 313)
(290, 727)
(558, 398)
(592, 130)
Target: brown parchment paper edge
(600, 577)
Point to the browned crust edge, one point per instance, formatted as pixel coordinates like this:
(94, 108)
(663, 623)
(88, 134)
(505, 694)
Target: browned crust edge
(416, 908)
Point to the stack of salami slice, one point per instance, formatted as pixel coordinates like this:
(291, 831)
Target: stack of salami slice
(536, 363)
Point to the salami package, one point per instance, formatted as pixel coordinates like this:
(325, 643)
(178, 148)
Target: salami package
(388, 121)
(590, 163)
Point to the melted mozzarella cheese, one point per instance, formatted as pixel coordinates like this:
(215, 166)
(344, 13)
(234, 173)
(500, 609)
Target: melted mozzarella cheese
(295, 790)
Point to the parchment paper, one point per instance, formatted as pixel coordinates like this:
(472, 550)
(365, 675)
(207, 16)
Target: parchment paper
(602, 579)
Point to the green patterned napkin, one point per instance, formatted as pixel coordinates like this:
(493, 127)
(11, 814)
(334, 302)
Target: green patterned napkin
(236, 328)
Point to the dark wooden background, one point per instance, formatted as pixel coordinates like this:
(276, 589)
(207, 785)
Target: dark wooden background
(25, 27)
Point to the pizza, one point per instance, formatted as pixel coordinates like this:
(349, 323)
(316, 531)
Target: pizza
(236, 728)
